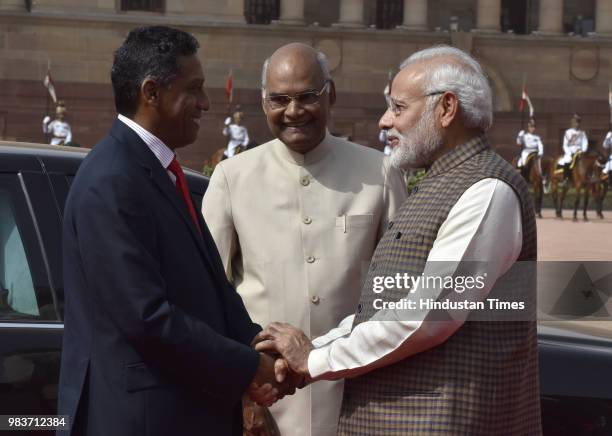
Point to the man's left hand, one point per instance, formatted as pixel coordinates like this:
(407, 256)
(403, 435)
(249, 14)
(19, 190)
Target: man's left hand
(291, 343)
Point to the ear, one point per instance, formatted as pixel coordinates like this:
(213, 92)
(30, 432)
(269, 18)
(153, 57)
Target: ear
(332, 93)
(450, 109)
(149, 92)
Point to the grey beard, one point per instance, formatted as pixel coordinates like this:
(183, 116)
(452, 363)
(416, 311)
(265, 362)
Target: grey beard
(417, 147)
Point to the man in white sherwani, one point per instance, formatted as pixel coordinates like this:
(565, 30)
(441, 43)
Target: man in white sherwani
(296, 220)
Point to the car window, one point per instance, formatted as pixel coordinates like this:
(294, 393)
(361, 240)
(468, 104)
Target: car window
(17, 293)
(25, 286)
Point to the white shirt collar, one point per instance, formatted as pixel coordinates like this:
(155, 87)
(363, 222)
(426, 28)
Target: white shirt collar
(163, 153)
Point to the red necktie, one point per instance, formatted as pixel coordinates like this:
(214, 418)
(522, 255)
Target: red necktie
(183, 190)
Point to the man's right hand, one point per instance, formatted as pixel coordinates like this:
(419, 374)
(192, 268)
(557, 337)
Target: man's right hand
(272, 381)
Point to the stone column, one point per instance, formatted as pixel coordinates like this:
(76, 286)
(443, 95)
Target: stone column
(488, 16)
(603, 17)
(12, 5)
(291, 13)
(351, 14)
(415, 15)
(551, 17)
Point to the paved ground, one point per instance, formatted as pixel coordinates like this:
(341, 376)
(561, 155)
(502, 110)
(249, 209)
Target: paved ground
(567, 240)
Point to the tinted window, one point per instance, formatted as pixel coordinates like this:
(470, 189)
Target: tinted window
(25, 294)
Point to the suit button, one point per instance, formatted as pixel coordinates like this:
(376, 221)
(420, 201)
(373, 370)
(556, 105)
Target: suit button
(305, 181)
(307, 220)
(315, 299)
(310, 259)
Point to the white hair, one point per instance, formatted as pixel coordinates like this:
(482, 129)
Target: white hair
(465, 79)
(321, 60)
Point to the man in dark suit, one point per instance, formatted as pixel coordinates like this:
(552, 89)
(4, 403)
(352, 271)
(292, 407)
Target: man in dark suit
(156, 340)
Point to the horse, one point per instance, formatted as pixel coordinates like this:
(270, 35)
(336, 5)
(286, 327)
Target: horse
(535, 173)
(585, 177)
(219, 154)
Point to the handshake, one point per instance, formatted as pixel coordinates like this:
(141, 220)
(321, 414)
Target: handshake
(283, 365)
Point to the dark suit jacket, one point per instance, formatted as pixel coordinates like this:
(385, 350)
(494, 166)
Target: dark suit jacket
(156, 339)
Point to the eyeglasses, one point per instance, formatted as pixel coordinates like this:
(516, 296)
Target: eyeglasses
(306, 98)
(396, 106)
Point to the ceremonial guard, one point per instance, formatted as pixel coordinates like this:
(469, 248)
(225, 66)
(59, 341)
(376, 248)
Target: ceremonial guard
(531, 144)
(574, 141)
(607, 145)
(237, 133)
(59, 129)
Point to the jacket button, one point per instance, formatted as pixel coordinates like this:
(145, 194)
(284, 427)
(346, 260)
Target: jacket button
(305, 181)
(310, 259)
(307, 220)
(315, 299)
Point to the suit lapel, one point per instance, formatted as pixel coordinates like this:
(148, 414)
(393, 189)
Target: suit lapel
(161, 179)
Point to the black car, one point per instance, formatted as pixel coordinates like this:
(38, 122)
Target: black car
(575, 367)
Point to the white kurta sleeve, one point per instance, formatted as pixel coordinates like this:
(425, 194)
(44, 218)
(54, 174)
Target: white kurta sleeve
(217, 213)
(485, 218)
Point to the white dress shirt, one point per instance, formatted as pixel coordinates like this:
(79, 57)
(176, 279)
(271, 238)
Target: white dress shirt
(486, 217)
(162, 152)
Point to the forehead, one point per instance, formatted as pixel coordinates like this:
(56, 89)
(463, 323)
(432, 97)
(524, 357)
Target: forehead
(293, 75)
(408, 82)
(189, 68)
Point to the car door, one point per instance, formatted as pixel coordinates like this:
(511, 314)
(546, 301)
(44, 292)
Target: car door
(30, 321)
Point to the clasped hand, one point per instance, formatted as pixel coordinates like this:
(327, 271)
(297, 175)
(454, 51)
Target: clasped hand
(283, 366)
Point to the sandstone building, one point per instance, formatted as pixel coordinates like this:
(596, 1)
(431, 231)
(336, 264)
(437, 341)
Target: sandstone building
(562, 48)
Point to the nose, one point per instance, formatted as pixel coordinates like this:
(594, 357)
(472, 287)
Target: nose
(203, 101)
(293, 109)
(386, 121)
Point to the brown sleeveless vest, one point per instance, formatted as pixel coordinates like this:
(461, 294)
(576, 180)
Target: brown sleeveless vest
(484, 379)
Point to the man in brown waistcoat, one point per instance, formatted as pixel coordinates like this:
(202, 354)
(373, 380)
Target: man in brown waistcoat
(471, 216)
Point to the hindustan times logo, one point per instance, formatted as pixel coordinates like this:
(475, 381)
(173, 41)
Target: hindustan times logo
(409, 282)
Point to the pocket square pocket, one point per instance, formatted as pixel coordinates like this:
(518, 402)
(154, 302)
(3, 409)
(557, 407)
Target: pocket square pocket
(139, 377)
(351, 221)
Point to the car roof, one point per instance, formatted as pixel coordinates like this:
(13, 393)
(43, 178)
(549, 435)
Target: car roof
(37, 149)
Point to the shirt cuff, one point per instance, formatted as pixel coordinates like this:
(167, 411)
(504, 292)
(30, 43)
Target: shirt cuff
(317, 362)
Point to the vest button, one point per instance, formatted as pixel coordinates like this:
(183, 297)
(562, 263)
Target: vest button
(310, 259)
(415, 189)
(305, 181)
(359, 308)
(307, 220)
(398, 235)
(315, 299)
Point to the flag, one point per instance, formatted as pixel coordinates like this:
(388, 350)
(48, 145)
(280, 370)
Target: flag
(525, 99)
(48, 83)
(229, 87)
